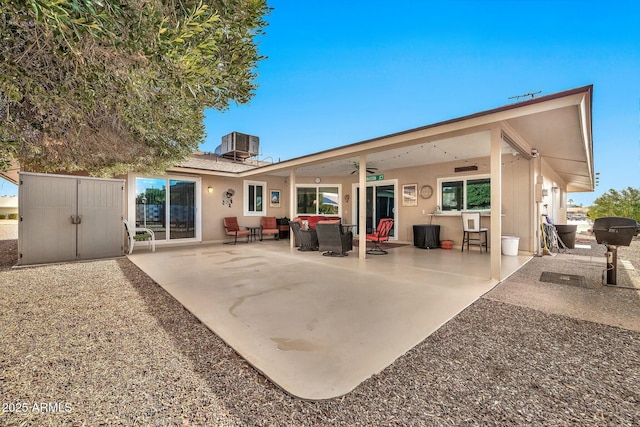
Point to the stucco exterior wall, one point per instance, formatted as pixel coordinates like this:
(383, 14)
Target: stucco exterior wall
(518, 208)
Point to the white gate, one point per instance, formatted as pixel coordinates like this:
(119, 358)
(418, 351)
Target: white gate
(67, 218)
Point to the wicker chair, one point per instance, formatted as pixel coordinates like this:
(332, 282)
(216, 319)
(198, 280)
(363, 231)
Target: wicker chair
(307, 240)
(332, 240)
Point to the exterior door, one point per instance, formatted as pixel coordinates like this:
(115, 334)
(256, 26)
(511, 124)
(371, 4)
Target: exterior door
(168, 206)
(182, 209)
(381, 203)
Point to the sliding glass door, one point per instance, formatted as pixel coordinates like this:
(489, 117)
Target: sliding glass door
(168, 206)
(381, 203)
(182, 209)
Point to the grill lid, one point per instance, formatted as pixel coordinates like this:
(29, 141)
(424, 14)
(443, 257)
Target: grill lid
(615, 230)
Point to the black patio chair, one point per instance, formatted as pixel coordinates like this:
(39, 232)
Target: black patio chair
(332, 241)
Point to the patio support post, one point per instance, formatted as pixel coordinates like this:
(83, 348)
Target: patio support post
(292, 204)
(362, 203)
(496, 202)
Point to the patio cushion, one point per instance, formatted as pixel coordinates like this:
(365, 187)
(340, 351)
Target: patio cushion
(313, 219)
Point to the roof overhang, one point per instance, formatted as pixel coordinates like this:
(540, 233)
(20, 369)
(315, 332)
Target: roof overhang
(11, 174)
(557, 126)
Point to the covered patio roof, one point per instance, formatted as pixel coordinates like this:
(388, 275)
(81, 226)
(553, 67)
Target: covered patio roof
(556, 126)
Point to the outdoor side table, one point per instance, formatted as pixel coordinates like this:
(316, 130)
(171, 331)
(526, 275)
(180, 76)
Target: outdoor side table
(255, 233)
(426, 236)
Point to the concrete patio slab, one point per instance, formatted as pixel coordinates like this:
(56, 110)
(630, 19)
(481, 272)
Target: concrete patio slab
(319, 326)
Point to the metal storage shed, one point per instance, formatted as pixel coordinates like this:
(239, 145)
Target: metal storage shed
(68, 218)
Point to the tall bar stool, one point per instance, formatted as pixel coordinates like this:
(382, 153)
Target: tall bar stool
(472, 233)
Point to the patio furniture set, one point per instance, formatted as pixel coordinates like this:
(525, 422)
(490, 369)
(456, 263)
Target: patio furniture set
(333, 238)
(324, 234)
(268, 226)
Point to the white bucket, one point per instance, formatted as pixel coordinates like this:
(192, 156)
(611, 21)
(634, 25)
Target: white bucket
(510, 245)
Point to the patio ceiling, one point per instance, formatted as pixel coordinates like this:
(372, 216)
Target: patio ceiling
(425, 153)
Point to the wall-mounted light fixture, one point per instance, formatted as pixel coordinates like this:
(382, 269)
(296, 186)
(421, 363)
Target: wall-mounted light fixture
(555, 189)
(210, 189)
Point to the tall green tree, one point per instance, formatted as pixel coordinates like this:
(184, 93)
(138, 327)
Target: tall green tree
(109, 86)
(625, 203)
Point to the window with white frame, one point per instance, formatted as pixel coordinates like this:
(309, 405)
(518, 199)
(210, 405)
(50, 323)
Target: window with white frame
(471, 193)
(255, 193)
(317, 200)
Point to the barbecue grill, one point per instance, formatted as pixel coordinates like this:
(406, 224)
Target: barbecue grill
(614, 231)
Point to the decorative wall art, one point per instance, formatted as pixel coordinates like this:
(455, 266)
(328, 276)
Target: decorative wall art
(227, 197)
(274, 198)
(410, 195)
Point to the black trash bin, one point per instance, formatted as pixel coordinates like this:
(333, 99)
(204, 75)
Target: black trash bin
(567, 233)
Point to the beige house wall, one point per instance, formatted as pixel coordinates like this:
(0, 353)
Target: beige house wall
(214, 211)
(555, 201)
(518, 209)
(517, 198)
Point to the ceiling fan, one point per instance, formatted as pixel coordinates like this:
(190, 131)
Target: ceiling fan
(356, 167)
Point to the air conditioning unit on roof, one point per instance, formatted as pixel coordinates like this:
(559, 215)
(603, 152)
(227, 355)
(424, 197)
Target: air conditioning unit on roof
(238, 145)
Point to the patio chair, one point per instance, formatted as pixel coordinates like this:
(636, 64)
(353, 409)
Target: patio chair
(269, 225)
(332, 240)
(307, 240)
(231, 228)
(139, 234)
(472, 232)
(381, 235)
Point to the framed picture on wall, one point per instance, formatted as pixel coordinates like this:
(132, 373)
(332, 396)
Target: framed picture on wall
(410, 195)
(274, 198)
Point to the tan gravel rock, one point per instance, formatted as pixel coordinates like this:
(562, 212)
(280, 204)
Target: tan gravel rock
(110, 347)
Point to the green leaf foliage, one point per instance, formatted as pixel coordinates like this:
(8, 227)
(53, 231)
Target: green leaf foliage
(625, 203)
(109, 86)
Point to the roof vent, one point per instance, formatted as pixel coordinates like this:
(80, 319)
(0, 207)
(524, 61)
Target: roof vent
(238, 145)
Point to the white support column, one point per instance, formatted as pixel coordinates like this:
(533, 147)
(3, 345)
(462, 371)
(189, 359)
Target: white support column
(292, 204)
(362, 203)
(496, 202)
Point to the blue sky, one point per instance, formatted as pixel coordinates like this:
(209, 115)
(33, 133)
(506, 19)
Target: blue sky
(340, 72)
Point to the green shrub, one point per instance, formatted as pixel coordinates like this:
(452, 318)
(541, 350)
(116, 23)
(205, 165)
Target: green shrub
(13, 216)
(2, 216)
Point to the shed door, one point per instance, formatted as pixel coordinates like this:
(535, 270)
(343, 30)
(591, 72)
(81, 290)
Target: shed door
(100, 207)
(46, 233)
(50, 207)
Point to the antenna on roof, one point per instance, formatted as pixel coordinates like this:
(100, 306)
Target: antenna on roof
(531, 94)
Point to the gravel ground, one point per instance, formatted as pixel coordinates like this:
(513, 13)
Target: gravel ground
(99, 343)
